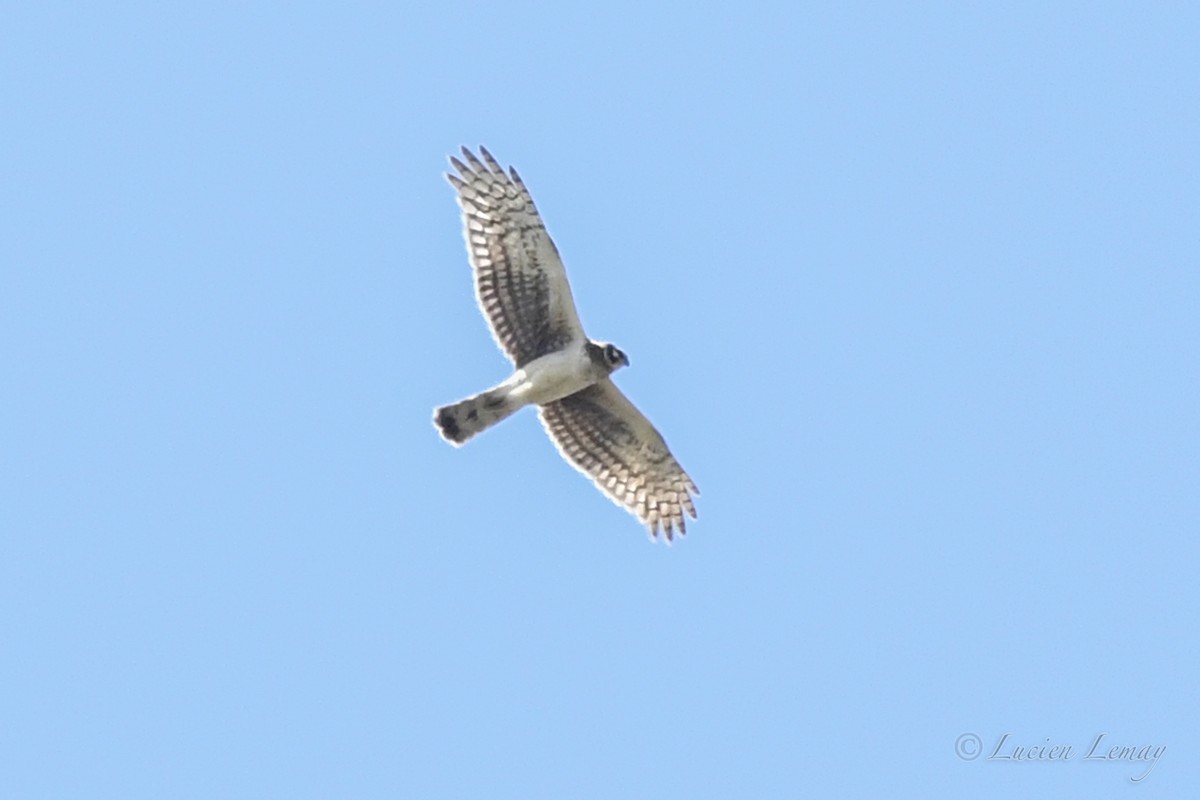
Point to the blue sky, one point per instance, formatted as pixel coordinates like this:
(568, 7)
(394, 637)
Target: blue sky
(910, 289)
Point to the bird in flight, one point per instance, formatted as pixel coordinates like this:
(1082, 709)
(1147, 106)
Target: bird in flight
(522, 290)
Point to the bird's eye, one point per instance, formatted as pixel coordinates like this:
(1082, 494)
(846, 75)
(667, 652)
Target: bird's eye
(612, 354)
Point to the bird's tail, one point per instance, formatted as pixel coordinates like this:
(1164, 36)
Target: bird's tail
(460, 421)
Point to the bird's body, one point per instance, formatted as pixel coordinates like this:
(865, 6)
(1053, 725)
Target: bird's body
(544, 380)
(522, 289)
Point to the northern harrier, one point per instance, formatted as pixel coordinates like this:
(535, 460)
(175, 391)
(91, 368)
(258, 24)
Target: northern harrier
(522, 289)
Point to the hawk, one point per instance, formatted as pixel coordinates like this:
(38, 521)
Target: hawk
(522, 290)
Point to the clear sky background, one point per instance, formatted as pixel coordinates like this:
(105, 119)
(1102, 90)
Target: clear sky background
(911, 290)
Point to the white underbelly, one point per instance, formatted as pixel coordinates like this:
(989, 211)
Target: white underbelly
(556, 375)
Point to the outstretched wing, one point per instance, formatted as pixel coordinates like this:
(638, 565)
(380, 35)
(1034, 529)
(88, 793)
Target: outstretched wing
(520, 280)
(605, 437)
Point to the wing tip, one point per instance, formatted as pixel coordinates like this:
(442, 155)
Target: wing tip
(462, 168)
(672, 526)
(476, 165)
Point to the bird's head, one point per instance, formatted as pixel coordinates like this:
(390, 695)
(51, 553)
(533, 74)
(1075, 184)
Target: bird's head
(614, 357)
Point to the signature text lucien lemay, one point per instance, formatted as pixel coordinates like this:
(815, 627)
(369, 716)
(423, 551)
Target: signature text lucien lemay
(1100, 750)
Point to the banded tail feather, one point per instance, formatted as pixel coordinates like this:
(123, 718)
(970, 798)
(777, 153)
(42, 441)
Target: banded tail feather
(459, 421)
